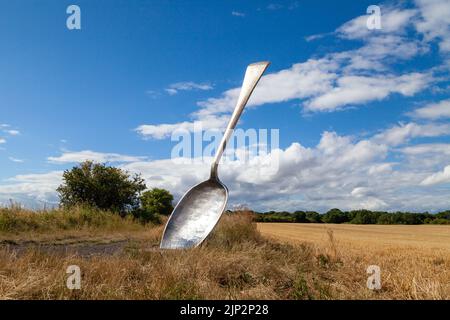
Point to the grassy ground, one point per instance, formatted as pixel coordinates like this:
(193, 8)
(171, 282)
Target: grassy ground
(414, 260)
(120, 259)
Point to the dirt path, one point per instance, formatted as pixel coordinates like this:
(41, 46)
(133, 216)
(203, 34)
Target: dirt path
(80, 249)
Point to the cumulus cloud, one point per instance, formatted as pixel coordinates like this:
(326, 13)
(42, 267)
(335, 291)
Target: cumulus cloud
(80, 156)
(429, 148)
(382, 171)
(434, 22)
(32, 188)
(302, 80)
(402, 133)
(394, 21)
(438, 177)
(434, 111)
(339, 171)
(317, 82)
(331, 82)
(360, 89)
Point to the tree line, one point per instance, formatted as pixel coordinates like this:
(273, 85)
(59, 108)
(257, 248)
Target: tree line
(113, 189)
(355, 217)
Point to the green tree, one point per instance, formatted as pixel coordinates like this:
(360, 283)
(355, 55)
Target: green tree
(443, 215)
(365, 217)
(155, 202)
(101, 186)
(335, 216)
(313, 217)
(300, 217)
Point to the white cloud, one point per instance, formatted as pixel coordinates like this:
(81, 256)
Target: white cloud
(393, 21)
(317, 36)
(187, 86)
(31, 188)
(162, 131)
(434, 111)
(340, 171)
(434, 22)
(402, 133)
(378, 50)
(329, 83)
(429, 148)
(317, 82)
(80, 156)
(13, 132)
(438, 177)
(2, 140)
(16, 160)
(350, 90)
(302, 80)
(238, 14)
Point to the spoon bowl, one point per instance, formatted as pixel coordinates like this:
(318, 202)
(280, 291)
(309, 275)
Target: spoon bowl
(196, 215)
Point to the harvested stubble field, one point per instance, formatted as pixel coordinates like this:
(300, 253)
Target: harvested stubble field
(120, 259)
(414, 259)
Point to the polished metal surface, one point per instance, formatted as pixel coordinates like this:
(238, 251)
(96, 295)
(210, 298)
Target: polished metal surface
(199, 210)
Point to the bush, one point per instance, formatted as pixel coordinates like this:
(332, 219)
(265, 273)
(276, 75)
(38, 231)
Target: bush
(313, 217)
(233, 229)
(100, 186)
(364, 217)
(154, 202)
(440, 221)
(443, 215)
(335, 216)
(300, 217)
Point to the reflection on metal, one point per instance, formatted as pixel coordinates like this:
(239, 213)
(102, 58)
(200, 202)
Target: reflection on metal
(199, 210)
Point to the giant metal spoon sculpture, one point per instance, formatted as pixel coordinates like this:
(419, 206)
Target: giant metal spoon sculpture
(199, 210)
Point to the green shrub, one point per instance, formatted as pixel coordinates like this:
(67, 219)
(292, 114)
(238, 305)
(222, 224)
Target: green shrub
(100, 186)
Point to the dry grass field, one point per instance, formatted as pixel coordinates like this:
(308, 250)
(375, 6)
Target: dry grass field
(414, 259)
(120, 259)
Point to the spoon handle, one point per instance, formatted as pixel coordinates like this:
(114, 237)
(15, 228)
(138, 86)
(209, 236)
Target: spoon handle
(253, 73)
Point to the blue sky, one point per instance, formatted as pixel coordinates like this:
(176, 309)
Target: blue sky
(363, 114)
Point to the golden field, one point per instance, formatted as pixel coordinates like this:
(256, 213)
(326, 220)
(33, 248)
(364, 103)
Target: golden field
(414, 259)
(120, 259)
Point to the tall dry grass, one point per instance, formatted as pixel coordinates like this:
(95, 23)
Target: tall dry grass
(235, 262)
(414, 260)
(17, 220)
